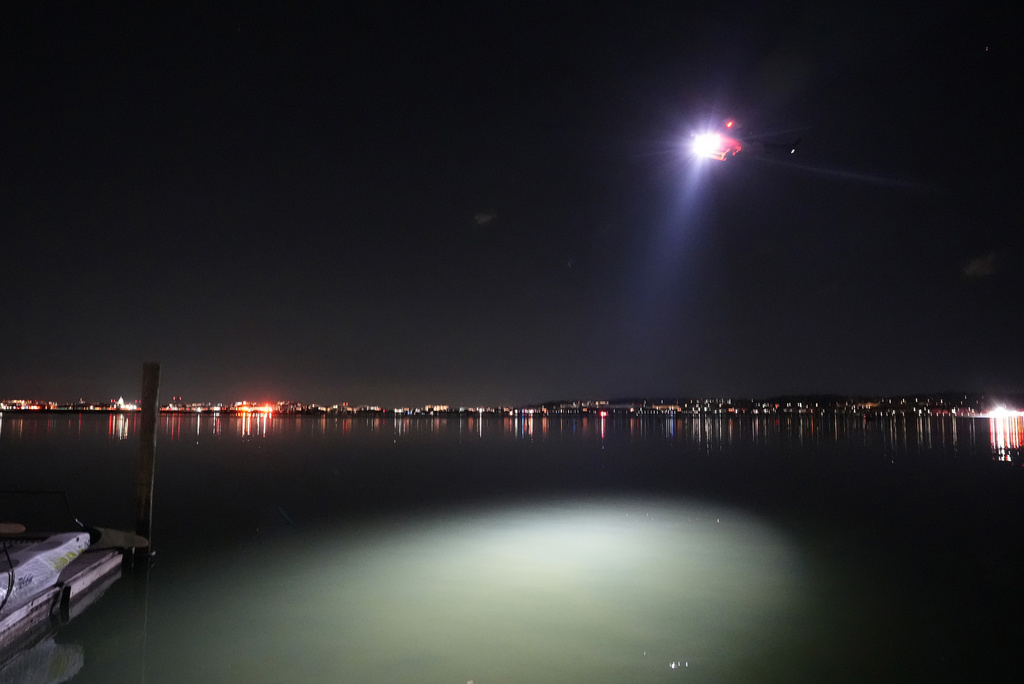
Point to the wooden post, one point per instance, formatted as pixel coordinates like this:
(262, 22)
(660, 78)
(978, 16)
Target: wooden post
(146, 465)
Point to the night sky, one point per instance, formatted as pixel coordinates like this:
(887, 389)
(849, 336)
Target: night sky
(495, 203)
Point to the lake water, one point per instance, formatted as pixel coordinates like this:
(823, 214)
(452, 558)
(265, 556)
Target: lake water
(485, 550)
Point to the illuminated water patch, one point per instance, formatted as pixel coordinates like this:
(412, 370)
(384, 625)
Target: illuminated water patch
(584, 591)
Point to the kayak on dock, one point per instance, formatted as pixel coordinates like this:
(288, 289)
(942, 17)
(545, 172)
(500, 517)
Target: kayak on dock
(29, 566)
(52, 565)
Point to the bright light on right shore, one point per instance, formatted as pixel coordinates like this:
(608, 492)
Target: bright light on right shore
(1002, 412)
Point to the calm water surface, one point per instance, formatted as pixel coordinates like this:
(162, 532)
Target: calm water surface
(543, 550)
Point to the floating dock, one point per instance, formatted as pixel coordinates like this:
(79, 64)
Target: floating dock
(80, 583)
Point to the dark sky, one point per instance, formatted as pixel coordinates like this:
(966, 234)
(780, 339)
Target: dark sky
(494, 203)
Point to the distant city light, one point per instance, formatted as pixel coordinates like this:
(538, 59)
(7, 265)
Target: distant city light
(956, 405)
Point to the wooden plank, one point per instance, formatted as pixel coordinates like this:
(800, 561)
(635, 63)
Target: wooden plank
(89, 570)
(79, 603)
(28, 616)
(96, 568)
(88, 583)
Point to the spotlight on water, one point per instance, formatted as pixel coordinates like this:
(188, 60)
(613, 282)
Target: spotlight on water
(596, 591)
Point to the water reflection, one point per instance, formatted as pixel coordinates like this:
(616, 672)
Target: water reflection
(254, 424)
(1006, 436)
(47, 662)
(894, 437)
(117, 425)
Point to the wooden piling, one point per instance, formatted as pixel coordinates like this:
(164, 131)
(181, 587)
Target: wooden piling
(146, 465)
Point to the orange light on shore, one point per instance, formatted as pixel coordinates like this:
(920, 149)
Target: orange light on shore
(249, 408)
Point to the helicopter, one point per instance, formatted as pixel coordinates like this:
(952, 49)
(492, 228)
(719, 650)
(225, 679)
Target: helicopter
(722, 145)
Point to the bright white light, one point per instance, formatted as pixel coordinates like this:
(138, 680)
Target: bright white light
(707, 144)
(1002, 412)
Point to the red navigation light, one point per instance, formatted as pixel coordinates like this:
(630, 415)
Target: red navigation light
(729, 123)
